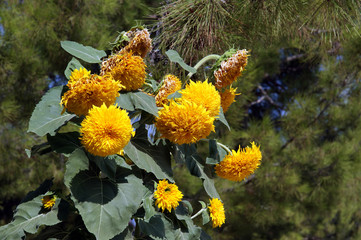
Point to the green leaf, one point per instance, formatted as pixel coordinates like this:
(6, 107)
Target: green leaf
(205, 217)
(188, 206)
(47, 117)
(113, 166)
(174, 57)
(216, 153)
(154, 159)
(125, 101)
(148, 208)
(125, 235)
(154, 227)
(28, 219)
(85, 53)
(176, 94)
(144, 102)
(72, 65)
(194, 232)
(223, 119)
(77, 161)
(64, 142)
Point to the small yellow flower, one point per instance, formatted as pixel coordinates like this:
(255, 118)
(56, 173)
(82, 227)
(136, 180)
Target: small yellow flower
(48, 201)
(231, 69)
(127, 69)
(167, 195)
(227, 98)
(184, 123)
(203, 94)
(171, 84)
(216, 211)
(239, 165)
(140, 43)
(106, 130)
(76, 75)
(86, 92)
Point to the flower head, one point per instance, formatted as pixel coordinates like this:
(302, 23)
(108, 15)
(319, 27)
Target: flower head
(127, 69)
(216, 211)
(227, 98)
(85, 93)
(140, 43)
(239, 165)
(48, 201)
(77, 75)
(231, 69)
(106, 130)
(186, 122)
(171, 84)
(167, 195)
(203, 94)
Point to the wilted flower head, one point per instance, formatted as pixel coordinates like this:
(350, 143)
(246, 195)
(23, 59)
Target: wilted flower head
(86, 92)
(167, 195)
(227, 98)
(203, 94)
(186, 122)
(106, 130)
(216, 211)
(171, 84)
(127, 69)
(239, 165)
(140, 43)
(48, 201)
(231, 69)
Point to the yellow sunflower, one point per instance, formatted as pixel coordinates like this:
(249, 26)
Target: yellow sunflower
(203, 94)
(239, 165)
(186, 122)
(231, 69)
(85, 93)
(140, 43)
(106, 130)
(216, 211)
(127, 69)
(78, 74)
(48, 201)
(167, 195)
(227, 98)
(171, 84)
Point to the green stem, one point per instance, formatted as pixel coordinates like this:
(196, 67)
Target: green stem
(200, 63)
(224, 147)
(198, 213)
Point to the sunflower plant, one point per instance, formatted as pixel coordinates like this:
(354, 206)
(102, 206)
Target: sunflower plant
(129, 131)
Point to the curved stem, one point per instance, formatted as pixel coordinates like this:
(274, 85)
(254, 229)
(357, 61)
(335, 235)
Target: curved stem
(224, 147)
(198, 213)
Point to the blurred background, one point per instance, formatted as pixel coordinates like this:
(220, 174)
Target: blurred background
(300, 100)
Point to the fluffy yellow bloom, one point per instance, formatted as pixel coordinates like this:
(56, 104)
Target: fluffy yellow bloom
(106, 130)
(184, 123)
(127, 69)
(239, 165)
(231, 69)
(140, 43)
(227, 98)
(203, 94)
(216, 211)
(78, 74)
(48, 201)
(171, 84)
(167, 195)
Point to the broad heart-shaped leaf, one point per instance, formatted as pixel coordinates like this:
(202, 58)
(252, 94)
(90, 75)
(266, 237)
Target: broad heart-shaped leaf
(174, 57)
(85, 53)
(72, 65)
(47, 117)
(154, 227)
(223, 119)
(124, 101)
(64, 142)
(216, 152)
(28, 219)
(137, 100)
(105, 206)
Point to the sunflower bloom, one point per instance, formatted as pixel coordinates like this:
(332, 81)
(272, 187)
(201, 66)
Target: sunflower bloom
(140, 43)
(184, 123)
(231, 69)
(106, 130)
(76, 75)
(227, 98)
(239, 165)
(48, 201)
(167, 195)
(171, 84)
(127, 69)
(85, 93)
(216, 211)
(203, 94)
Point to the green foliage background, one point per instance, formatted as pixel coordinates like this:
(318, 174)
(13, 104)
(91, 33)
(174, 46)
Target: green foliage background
(305, 65)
